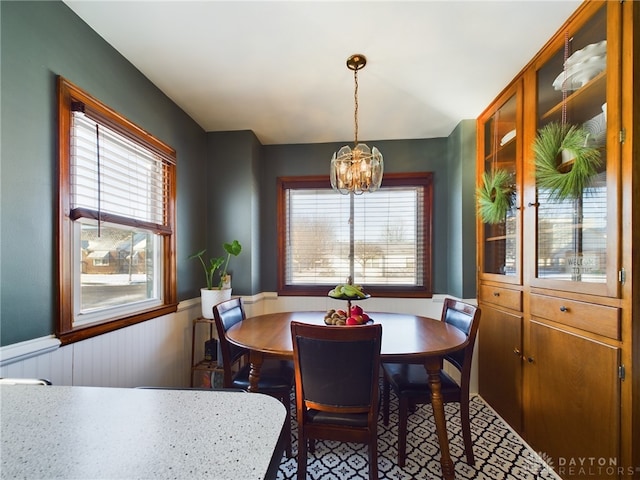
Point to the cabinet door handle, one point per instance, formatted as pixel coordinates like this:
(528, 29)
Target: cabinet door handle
(534, 204)
(563, 308)
(496, 294)
(530, 359)
(517, 352)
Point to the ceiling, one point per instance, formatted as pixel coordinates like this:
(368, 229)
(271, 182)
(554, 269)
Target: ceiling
(278, 68)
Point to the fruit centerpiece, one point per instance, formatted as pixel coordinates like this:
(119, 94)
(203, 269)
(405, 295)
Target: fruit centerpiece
(355, 316)
(347, 291)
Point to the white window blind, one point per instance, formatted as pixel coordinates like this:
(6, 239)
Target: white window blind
(112, 175)
(388, 237)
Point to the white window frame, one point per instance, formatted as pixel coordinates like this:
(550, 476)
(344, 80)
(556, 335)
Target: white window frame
(83, 316)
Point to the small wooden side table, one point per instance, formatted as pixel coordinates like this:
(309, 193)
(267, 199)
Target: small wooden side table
(211, 372)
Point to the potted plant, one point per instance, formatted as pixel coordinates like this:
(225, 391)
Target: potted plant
(212, 295)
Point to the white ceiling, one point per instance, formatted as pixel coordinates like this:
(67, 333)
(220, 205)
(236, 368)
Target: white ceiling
(278, 68)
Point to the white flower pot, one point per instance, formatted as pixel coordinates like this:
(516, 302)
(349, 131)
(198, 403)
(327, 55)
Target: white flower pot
(209, 298)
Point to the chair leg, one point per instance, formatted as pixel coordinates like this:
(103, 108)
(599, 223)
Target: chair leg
(385, 400)
(403, 406)
(286, 401)
(373, 458)
(302, 455)
(466, 429)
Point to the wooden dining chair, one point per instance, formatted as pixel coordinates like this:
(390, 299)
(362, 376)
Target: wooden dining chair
(276, 376)
(337, 385)
(411, 385)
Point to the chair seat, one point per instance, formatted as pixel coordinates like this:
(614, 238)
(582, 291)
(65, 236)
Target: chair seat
(333, 418)
(274, 375)
(411, 379)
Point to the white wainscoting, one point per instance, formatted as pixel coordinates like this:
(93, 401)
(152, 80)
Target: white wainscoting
(158, 352)
(153, 353)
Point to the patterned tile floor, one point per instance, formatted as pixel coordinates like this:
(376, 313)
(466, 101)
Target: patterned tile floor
(499, 452)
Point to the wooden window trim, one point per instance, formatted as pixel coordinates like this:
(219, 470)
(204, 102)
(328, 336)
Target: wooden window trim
(424, 179)
(68, 93)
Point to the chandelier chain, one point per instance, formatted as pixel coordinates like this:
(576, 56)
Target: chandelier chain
(564, 82)
(355, 112)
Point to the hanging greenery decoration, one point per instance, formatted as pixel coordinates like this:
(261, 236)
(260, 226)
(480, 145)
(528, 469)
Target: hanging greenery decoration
(548, 146)
(495, 196)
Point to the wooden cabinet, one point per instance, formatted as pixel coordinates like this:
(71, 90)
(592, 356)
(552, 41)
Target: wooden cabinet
(499, 147)
(573, 404)
(500, 357)
(576, 240)
(555, 271)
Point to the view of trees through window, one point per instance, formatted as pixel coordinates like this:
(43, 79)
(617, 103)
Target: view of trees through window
(385, 237)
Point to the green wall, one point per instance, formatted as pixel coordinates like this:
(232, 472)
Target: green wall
(226, 180)
(461, 208)
(39, 41)
(232, 204)
(275, 161)
(427, 155)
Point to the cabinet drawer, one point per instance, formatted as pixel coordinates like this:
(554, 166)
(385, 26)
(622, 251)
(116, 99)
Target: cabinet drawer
(503, 297)
(598, 319)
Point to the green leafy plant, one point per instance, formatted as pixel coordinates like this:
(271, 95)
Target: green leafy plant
(213, 265)
(552, 139)
(495, 196)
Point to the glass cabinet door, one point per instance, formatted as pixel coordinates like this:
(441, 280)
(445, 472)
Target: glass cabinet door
(498, 189)
(576, 211)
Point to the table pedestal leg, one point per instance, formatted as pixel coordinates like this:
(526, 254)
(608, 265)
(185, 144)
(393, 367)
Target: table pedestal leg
(433, 367)
(255, 360)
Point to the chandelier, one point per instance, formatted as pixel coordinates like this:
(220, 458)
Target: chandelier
(359, 170)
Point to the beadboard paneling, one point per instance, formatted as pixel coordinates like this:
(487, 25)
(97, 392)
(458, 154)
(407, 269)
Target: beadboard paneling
(158, 352)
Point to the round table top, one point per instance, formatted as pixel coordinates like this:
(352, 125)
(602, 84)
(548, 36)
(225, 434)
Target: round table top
(404, 336)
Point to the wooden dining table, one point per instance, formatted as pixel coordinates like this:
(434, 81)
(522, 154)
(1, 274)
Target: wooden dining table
(405, 338)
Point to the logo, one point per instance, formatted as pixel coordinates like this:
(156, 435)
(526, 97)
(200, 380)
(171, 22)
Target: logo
(539, 463)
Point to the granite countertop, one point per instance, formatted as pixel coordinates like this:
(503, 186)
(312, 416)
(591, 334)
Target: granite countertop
(107, 433)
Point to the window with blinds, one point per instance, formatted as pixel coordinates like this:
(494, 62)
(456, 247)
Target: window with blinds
(113, 176)
(391, 236)
(117, 204)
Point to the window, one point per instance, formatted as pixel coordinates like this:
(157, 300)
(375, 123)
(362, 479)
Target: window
(116, 238)
(391, 232)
